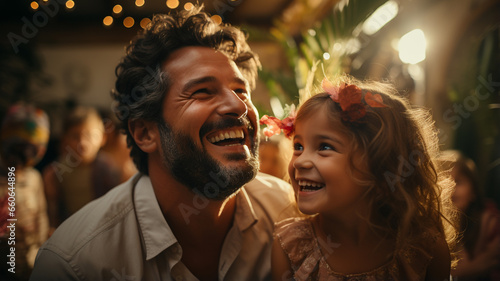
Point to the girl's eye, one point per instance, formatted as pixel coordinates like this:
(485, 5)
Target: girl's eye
(325, 146)
(298, 147)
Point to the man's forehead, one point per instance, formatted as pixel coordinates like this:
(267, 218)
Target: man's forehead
(196, 61)
(194, 54)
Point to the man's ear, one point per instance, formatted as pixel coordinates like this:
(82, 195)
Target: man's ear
(145, 134)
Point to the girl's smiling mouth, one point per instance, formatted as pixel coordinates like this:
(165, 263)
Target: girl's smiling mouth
(309, 186)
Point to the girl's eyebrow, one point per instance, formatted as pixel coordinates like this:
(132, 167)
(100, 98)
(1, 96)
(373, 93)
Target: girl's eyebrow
(333, 139)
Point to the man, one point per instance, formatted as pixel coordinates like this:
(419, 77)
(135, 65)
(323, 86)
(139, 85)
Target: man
(196, 210)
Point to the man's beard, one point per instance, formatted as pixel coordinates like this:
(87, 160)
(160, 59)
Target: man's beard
(196, 169)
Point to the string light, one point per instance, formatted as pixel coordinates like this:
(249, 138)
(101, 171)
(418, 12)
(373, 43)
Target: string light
(144, 22)
(117, 9)
(139, 3)
(70, 4)
(172, 4)
(34, 5)
(217, 19)
(188, 6)
(128, 22)
(107, 21)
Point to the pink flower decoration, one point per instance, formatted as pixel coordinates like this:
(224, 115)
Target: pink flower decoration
(331, 89)
(374, 100)
(273, 125)
(350, 98)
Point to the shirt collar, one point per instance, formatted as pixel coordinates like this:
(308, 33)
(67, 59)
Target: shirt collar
(245, 215)
(156, 233)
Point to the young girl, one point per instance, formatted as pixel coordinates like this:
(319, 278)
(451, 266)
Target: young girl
(364, 173)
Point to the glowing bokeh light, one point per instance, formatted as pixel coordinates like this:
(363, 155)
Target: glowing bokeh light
(217, 19)
(145, 22)
(34, 5)
(117, 9)
(172, 4)
(188, 6)
(412, 47)
(380, 17)
(70, 4)
(107, 21)
(128, 22)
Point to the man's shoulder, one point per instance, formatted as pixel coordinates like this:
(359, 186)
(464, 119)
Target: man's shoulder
(273, 195)
(95, 219)
(267, 183)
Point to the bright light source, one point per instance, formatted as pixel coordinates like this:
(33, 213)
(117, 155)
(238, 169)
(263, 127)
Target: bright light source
(326, 56)
(108, 20)
(416, 72)
(128, 22)
(380, 17)
(412, 47)
(172, 4)
(117, 9)
(70, 4)
(34, 5)
(217, 19)
(188, 6)
(352, 46)
(144, 22)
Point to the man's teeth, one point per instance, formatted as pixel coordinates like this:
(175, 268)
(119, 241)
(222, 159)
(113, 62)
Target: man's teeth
(310, 185)
(235, 134)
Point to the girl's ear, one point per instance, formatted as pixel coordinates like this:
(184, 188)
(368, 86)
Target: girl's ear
(145, 134)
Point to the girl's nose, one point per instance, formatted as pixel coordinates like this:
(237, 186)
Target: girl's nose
(302, 162)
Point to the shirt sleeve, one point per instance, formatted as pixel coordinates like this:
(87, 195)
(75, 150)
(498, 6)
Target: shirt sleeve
(50, 266)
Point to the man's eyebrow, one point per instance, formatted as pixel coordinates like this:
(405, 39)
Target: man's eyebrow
(198, 81)
(207, 79)
(240, 81)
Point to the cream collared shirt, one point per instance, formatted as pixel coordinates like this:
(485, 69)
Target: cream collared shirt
(124, 236)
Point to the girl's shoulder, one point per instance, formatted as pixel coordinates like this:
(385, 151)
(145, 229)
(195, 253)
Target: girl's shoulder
(296, 238)
(292, 230)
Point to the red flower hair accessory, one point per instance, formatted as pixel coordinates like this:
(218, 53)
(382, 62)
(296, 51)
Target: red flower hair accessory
(275, 125)
(350, 99)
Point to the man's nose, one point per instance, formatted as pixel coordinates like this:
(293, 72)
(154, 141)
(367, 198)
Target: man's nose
(232, 104)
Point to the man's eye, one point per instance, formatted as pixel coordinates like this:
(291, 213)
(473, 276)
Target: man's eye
(202, 91)
(241, 92)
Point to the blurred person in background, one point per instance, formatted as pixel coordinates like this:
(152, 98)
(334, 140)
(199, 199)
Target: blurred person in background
(480, 223)
(275, 153)
(23, 138)
(116, 147)
(81, 173)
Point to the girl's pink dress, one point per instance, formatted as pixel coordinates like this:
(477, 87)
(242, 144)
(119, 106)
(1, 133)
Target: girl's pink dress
(302, 246)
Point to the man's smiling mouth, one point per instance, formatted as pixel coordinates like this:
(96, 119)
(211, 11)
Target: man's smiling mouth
(228, 138)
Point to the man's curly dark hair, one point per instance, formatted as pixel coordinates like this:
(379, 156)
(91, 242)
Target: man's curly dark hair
(141, 84)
